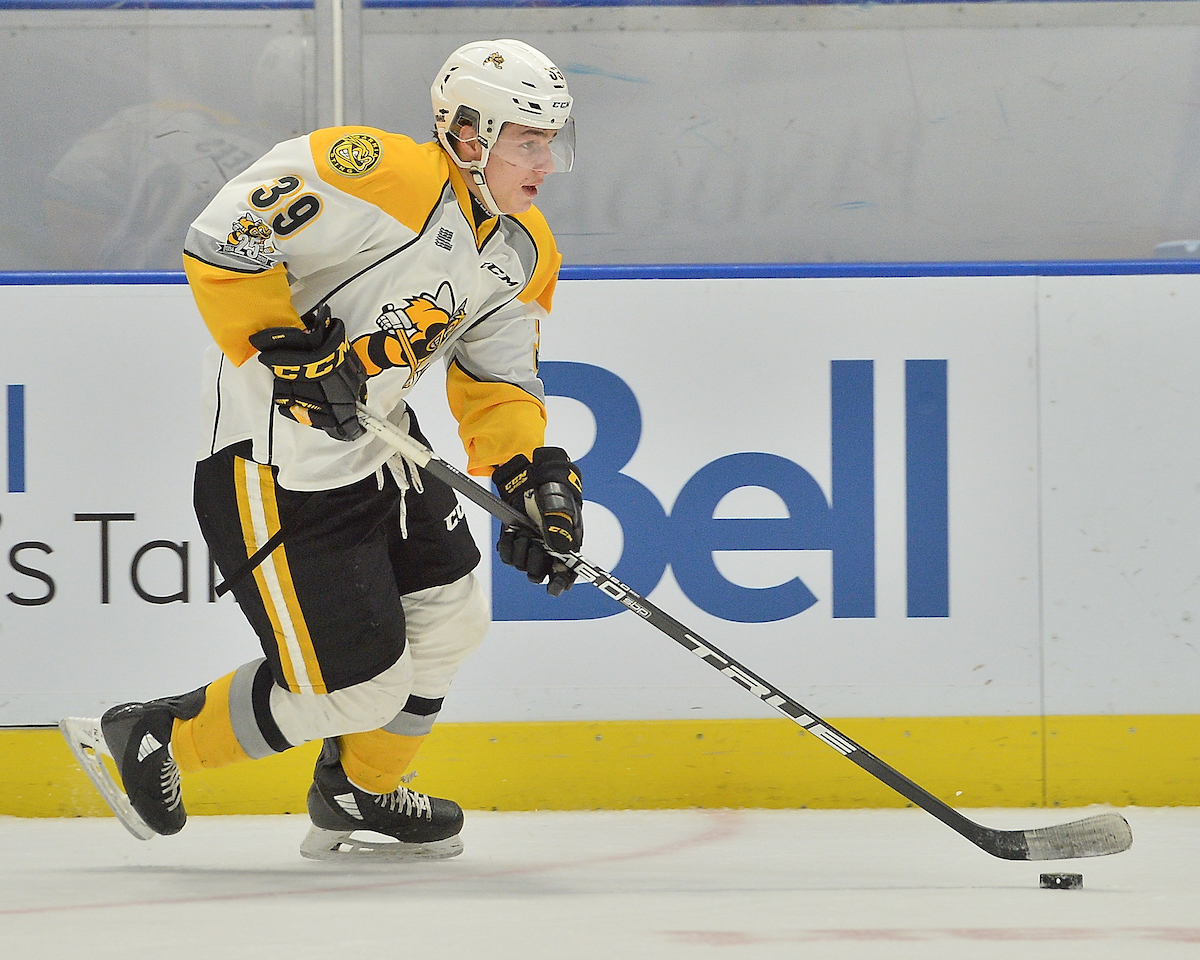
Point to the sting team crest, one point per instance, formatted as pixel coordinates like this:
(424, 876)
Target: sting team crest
(249, 239)
(355, 155)
(410, 335)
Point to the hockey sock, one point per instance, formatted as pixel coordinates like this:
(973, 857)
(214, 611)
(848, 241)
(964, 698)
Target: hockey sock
(208, 740)
(375, 761)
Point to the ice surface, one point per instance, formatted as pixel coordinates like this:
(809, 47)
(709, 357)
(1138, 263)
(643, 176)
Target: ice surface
(842, 884)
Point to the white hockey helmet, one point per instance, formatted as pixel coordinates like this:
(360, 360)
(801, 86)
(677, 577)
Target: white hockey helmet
(489, 83)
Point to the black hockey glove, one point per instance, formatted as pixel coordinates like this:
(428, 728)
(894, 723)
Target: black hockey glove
(550, 492)
(318, 377)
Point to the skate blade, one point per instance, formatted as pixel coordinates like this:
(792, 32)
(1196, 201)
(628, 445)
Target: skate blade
(86, 741)
(323, 844)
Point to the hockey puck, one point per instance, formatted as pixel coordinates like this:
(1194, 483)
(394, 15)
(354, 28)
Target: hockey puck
(1062, 881)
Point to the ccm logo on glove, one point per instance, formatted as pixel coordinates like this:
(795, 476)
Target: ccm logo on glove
(550, 492)
(318, 378)
(310, 371)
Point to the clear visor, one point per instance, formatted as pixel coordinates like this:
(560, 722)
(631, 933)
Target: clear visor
(532, 148)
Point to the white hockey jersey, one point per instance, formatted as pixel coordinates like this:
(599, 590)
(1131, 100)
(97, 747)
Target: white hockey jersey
(381, 229)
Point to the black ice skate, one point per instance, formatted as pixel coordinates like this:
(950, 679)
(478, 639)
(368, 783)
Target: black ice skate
(138, 738)
(421, 827)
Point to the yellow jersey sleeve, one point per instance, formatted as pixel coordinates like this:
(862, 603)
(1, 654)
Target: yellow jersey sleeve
(496, 421)
(235, 305)
(545, 275)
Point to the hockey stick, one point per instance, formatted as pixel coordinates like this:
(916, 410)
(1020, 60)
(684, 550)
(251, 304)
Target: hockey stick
(1094, 836)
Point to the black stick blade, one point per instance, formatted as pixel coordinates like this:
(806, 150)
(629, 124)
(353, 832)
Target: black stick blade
(1097, 836)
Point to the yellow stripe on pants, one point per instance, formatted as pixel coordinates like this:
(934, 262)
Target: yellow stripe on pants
(259, 514)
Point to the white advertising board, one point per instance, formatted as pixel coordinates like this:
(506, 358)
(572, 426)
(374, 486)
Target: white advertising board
(1121, 493)
(870, 491)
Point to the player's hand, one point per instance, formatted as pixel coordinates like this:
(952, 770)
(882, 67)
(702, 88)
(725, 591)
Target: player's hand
(318, 377)
(550, 492)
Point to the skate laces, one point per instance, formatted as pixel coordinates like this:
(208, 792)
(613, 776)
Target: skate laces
(169, 779)
(406, 802)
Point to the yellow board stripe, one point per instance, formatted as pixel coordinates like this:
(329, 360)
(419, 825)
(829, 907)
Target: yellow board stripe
(965, 761)
(259, 514)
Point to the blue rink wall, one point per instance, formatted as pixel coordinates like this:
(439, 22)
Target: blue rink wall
(953, 506)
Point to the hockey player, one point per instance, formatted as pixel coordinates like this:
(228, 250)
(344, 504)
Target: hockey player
(339, 268)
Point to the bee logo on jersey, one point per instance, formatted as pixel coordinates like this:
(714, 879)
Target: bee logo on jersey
(410, 335)
(249, 239)
(355, 155)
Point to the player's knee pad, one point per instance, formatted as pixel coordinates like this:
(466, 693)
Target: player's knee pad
(302, 717)
(444, 625)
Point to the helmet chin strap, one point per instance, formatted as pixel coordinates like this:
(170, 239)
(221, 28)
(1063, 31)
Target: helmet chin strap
(486, 198)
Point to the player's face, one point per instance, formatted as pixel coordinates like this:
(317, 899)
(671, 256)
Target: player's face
(518, 163)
